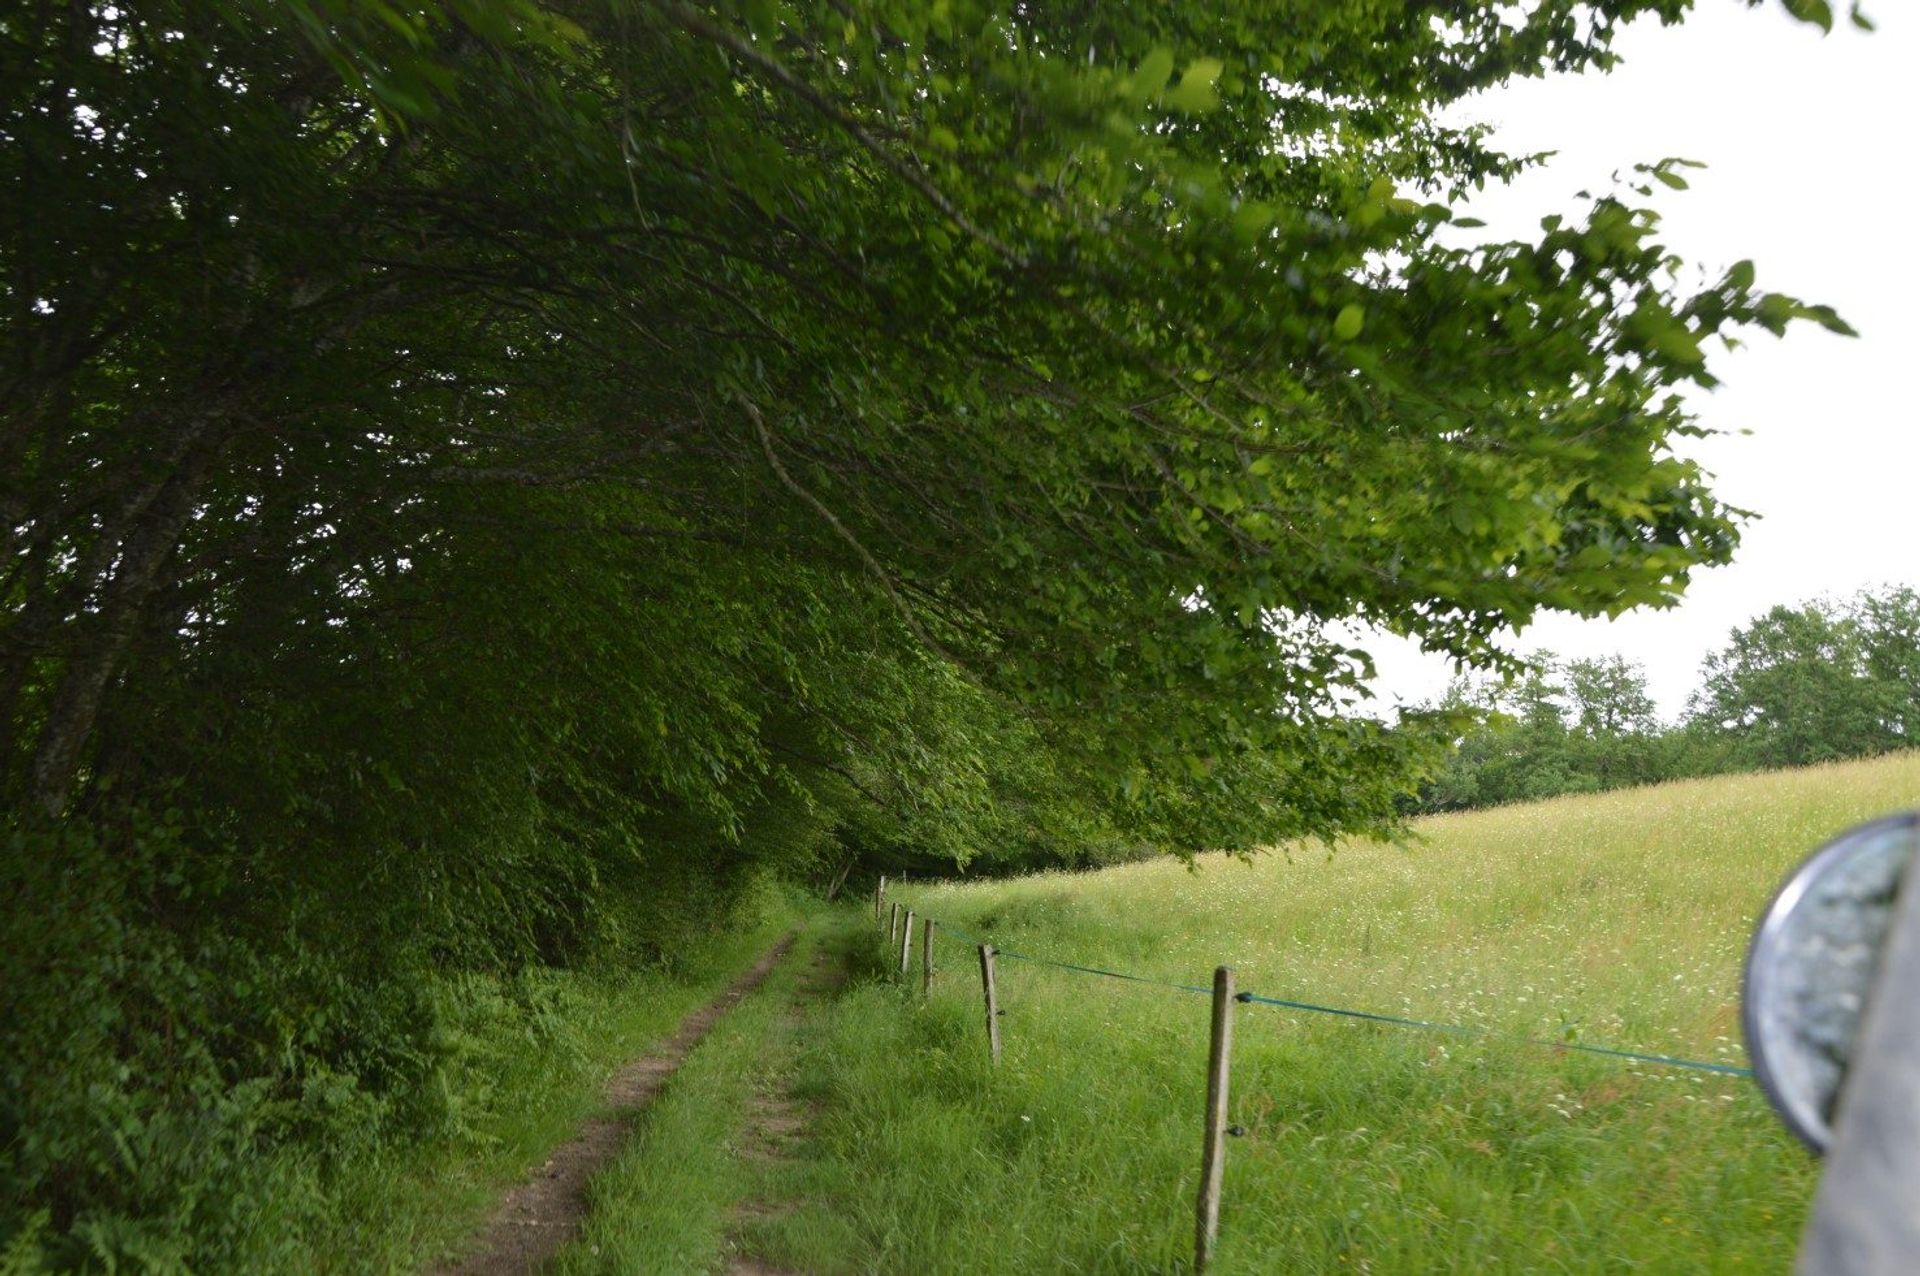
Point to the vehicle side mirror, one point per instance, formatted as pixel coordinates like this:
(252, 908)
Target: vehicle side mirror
(1811, 970)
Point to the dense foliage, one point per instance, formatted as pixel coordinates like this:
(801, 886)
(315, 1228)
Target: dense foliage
(1798, 685)
(484, 483)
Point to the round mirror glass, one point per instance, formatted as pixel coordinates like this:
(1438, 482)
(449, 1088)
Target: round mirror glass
(1812, 965)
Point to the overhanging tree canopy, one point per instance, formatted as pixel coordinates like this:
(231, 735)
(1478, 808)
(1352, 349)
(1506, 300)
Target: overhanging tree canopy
(1110, 354)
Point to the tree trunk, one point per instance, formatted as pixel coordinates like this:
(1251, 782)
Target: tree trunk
(840, 878)
(144, 550)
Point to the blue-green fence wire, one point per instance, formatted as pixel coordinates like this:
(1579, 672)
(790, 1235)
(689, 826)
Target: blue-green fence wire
(1462, 1030)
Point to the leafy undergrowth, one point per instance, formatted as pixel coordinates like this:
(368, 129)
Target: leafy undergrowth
(1618, 919)
(530, 1091)
(525, 1060)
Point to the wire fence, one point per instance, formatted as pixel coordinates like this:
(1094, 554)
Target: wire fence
(1224, 996)
(1367, 1016)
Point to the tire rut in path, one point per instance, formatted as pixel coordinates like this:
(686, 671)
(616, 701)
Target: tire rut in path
(537, 1217)
(776, 1122)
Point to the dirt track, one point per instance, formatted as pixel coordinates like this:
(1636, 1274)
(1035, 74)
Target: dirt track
(537, 1217)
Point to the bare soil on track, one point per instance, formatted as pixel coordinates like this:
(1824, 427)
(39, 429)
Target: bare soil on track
(538, 1216)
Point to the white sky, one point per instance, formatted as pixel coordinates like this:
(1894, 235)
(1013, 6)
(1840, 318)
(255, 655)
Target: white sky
(1810, 143)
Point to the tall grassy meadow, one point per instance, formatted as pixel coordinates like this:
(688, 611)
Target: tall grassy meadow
(1617, 919)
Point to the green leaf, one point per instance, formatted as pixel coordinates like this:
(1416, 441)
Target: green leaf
(1253, 217)
(1593, 556)
(1775, 310)
(1151, 75)
(1195, 91)
(1674, 341)
(1827, 317)
(1347, 324)
(1817, 12)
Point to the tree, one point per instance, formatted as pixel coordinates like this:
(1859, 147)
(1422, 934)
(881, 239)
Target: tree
(1890, 633)
(1511, 742)
(1564, 726)
(1609, 696)
(1073, 337)
(1793, 688)
(1616, 734)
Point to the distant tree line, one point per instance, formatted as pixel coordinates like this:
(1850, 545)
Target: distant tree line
(1798, 685)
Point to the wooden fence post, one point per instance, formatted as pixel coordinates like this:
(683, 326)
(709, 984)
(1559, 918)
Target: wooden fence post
(926, 957)
(879, 894)
(1213, 1152)
(993, 1000)
(906, 944)
(893, 923)
(1866, 1211)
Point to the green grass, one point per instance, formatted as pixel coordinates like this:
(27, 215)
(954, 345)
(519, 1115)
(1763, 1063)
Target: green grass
(663, 1204)
(1624, 916)
(672, 1200)
(519, 1093)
